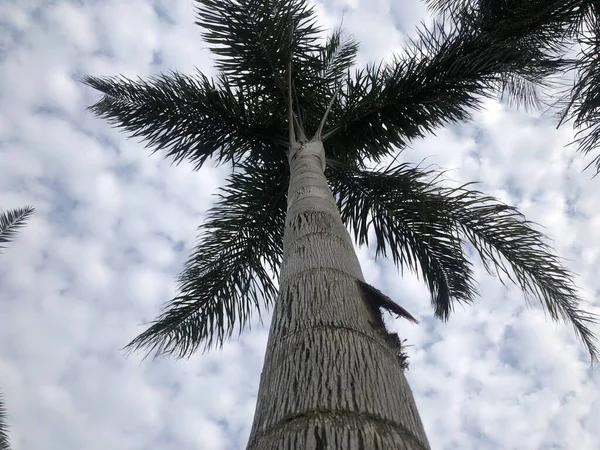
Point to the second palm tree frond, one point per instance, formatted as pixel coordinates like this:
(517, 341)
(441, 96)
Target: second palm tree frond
(11, 221)
(559, 26)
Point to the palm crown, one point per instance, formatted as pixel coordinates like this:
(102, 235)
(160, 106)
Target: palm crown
(268, 52)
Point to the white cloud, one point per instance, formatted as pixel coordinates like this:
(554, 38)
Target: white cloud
(113, 227)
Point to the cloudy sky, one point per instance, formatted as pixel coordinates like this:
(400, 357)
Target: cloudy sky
(114, 225)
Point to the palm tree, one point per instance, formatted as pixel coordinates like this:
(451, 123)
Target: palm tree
(10, 222)
(289, 115)
(571, 28)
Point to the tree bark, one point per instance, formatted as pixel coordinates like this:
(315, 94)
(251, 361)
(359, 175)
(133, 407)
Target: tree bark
(330, 378)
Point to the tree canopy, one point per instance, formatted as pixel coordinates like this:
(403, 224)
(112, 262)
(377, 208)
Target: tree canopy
(240, 117)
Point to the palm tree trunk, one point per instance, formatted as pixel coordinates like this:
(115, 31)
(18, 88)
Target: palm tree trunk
(330, 379)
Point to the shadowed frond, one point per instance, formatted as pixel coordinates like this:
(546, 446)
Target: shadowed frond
(560, 25)
(253, 39)
(408, 209)
(4, 441)
(191, 118)
(225, 278)
(11, 221)
(336, 58)
(439, 79)
(552, 15)
(416, 237)
(582, 104)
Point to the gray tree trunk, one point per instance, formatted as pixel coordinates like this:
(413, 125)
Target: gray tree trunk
(330, 379)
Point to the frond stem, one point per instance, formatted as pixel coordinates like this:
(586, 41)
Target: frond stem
(292, 133)
(319, 133)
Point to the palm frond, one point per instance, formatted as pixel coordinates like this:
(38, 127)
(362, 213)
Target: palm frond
(4, 441)
(11, 221)
(225, 278)
(582, 103)
(254, 39)
(415, 236)
(439, 79)
(336, 57)
(558, 25)
(519, 91)
(192, 118)
(501, 234)
(548, 13)
(400, 201)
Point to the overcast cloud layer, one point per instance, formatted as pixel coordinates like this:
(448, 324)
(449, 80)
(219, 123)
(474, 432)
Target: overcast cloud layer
(113, 227)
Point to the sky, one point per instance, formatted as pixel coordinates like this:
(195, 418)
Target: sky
(114, 225)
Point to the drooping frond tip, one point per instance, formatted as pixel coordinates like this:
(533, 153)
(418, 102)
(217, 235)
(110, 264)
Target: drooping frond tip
(11, 221)
(378, 299)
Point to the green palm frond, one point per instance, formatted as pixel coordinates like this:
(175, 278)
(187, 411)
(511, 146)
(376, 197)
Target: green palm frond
(439, 79)
(543, 12)
(323, 77)
(558, 25)
(409, 210)
(336, 58)
(416, 237)
(11, 221)
(582, 103)
(4, 441)
(254, 39)
(226, 278)
(192, 118)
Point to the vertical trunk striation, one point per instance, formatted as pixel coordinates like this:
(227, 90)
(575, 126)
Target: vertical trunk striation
(330, 379)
